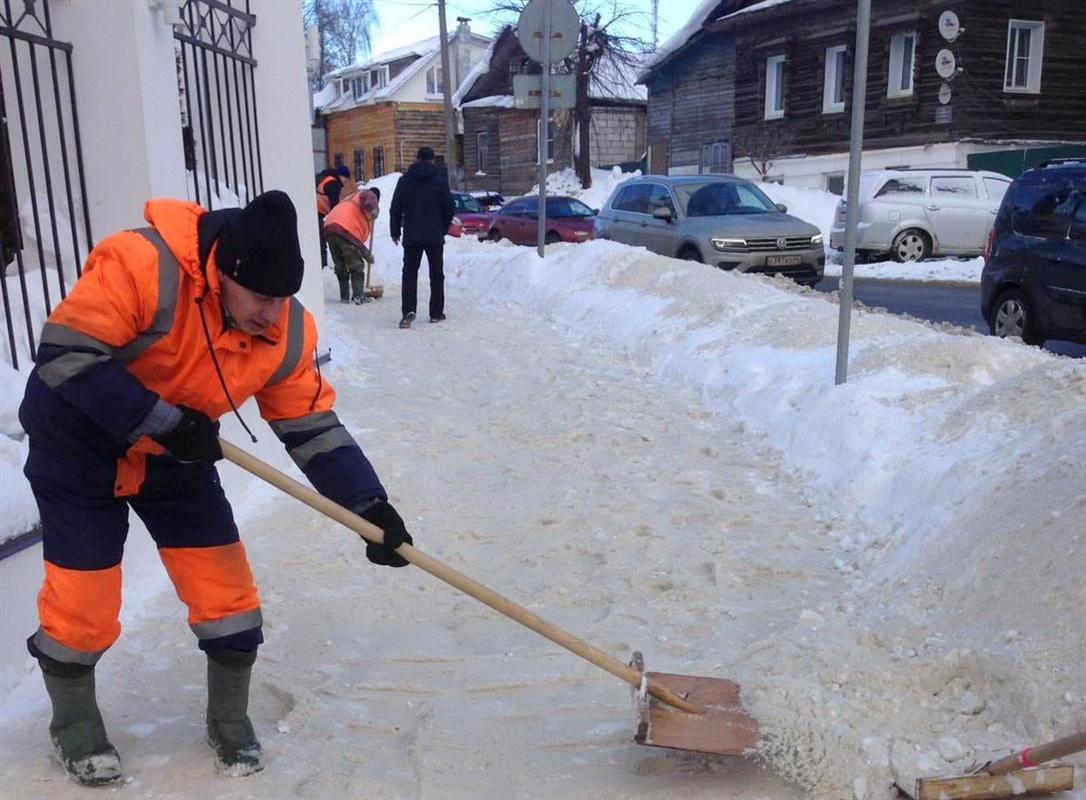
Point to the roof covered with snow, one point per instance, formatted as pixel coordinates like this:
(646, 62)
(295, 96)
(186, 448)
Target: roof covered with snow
(702, 14)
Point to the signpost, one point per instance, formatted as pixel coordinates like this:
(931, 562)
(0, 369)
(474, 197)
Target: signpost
(547, 30)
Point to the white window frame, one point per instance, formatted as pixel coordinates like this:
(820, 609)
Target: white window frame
(774, 66)
(550, 140)
(897, 58)
(1036, 56)
(431, 80)
(829, 83)
(358, 87)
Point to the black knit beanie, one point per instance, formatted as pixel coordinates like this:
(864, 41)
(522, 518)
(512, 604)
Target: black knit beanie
(258, 246)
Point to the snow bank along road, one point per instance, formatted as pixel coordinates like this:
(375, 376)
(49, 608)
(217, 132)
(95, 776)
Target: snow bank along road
(652, 455)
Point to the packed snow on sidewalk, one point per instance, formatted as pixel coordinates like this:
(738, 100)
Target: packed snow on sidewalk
(653, 455)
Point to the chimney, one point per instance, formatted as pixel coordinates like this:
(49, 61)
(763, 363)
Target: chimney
(463, 51)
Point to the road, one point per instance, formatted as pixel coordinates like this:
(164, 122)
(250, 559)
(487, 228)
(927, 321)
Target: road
(958, 304)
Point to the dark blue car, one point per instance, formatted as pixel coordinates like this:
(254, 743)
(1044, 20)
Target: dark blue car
(1034, 280)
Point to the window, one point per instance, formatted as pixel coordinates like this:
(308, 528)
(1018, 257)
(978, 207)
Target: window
(346, 86)
(466, 203)
(378, 162)
(1042, 210)
(360, 165)
(357, 88)
(660, 197)
(550, 141)
(634, 199)
(954, 187)
(902, 56)
(718, 199)
(434, 83)
(337, 160)
(833, 85)
(1025, 51)
(715, 158)
(996, 188)
(563, 208)
(378, 78)
(482, 152)
(774, 87)
(1078, 223)
(906, 186)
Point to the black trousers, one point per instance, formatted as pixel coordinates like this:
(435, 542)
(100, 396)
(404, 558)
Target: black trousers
(324, 242)
(412, 259)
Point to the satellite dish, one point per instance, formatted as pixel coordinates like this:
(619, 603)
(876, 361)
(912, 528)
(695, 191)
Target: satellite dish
(944, 94)
(946, 64)
(949, 26)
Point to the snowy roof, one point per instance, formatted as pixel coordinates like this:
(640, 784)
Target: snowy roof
(478, 71)
(493, 101)
(679, 39)
(615, 79)
(764, 4)
(420, 48)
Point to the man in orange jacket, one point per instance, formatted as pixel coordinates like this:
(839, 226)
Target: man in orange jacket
(170, 327)
(348, 228)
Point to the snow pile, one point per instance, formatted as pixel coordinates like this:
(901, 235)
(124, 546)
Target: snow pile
(815, 206)
(604, 182)
(945, 270)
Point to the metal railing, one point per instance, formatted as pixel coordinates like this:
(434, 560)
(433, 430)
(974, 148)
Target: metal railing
(215, 67)
(44, 217)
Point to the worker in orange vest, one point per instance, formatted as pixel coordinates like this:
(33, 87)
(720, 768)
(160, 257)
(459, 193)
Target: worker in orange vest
(170, 327)
(330, 184)
(349, 228)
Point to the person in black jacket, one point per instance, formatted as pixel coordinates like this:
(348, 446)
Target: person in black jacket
(422, 206)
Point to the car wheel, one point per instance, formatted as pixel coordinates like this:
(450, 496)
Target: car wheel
(1013, 316)
(911, 245)
(494, 235)
(552, 237)
(690, 254)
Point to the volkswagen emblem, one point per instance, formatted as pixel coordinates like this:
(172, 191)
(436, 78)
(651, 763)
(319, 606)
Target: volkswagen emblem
(782, 243)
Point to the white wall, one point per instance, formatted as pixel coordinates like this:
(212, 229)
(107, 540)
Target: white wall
(130, 121)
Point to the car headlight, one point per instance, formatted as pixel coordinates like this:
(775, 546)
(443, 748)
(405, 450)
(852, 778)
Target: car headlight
(816, 240)
(729, 244)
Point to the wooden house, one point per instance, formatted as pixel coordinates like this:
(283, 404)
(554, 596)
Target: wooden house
(501, 142)
(378, 113)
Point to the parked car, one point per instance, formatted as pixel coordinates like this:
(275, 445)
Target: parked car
(724, 221)
(1034, 280)
(912, 214)
(470, 219)
(568, 220)
(490, 201)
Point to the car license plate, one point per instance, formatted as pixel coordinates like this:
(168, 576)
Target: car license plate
(782, 261)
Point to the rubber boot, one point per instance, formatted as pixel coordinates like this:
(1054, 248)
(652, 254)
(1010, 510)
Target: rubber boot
(78, 733)
(229, 731)
(344, 288)
(358, 288)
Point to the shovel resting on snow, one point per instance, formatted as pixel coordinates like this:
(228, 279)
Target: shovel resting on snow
(684, 712)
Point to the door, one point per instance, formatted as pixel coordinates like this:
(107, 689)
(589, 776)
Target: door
(631, 209)
(1065, 273)
(958, 216)
(661, 236)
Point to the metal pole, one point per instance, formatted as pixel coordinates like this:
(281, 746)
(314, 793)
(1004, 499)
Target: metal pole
(446, 90)
(852, 217)
(544, 126)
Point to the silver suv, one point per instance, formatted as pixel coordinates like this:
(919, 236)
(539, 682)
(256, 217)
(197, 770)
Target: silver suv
(720, 220)
(916, 213)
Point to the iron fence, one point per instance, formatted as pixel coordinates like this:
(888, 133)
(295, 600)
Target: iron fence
(215, 67)
(44, 218)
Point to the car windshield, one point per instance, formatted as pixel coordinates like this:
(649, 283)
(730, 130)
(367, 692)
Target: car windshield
(560, 207)
(467, 203)
(722, 198)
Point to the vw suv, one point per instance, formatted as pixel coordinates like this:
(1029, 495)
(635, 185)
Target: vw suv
(1034, 281)
(720, 220)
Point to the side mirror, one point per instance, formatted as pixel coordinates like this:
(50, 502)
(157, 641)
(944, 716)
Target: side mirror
(662, 212)
(595, 212)
(782, 208)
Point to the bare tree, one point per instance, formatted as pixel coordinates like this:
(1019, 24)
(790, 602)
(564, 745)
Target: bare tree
(762, 145)
(610, 47)
(346, 31)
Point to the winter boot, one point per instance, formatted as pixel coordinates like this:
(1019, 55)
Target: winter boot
(358, 288)
(229, 731)
(77, 730)
(344, 288)
(408, 318)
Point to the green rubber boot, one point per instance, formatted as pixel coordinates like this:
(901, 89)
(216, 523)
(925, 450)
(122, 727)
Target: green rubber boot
(78, 733)
(229, 731)
(344, 287)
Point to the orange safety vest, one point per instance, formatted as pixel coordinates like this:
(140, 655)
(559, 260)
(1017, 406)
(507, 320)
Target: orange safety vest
(324, 202)
(348, 220)
(137, 296)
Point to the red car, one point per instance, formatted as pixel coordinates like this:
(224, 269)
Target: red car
(568, 220)
(471, 218)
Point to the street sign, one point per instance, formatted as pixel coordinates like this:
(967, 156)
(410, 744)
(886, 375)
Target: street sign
(565, 27)
(944, 115)
(528, 91)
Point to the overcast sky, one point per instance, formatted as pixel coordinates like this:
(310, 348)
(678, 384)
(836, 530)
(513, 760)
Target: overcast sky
(402, 22)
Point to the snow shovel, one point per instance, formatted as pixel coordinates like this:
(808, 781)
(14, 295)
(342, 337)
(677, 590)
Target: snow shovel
(375, 292)
(1017, 774)
(684, 712)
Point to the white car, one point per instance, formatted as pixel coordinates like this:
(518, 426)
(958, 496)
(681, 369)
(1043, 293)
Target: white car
(913, 214)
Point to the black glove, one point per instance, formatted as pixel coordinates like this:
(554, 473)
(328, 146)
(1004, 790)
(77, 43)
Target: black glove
(194, 438)
(384, 516)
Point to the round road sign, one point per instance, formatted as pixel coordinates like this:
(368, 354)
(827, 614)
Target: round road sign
(565, 26)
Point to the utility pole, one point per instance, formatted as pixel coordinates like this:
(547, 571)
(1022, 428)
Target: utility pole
(446, 91)
(544, 128)
(655, 24)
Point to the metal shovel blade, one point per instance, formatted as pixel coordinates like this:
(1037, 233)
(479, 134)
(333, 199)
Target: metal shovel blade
(724, 729)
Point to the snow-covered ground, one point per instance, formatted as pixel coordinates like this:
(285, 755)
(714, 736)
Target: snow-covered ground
(653, 455)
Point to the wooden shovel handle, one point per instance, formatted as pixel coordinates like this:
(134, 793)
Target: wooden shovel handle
(456, 579)
(1032, 756)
